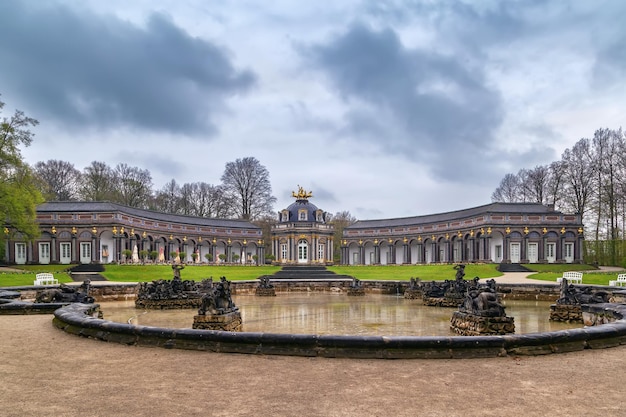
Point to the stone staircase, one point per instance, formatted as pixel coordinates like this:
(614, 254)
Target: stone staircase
(87, 271)
(505, 267)
(307, 272)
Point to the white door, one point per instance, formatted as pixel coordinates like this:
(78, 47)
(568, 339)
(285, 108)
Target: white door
(85, 252)
(568, 248)
(550, 252)
(303, 252)
(533, 257)
(44, 253)
(20, 253)
(515, 253)
(355, 258)
(66, 253)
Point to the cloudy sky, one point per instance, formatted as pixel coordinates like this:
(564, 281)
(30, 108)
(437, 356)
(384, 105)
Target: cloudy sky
(385, 109)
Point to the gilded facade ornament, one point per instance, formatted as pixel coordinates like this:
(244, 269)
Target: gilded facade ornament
(6, 230)
(544, 230)
(419, 238)
(302, 194)
(472, 233)
(507, 230)
(53, 230)
(489, 230)
(580, 230)
(73, 230)
(562, 230)
(447, 236)
(94, 230)
(525, 230)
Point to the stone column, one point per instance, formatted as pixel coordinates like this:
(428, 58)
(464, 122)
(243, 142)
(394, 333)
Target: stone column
(53, 250)
(74, 249)
(406, 254)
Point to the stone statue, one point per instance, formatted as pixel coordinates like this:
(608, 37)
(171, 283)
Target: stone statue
(66, 294)
(264, 282)
(460, 271)
(414, 284)
(176, 268)
(218, 300)
(482, 302)
(572, 295)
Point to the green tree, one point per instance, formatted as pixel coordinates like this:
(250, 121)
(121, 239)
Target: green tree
(19, 191)
(340, 221)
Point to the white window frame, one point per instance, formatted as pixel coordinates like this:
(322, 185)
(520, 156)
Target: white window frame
(65, 249)
(44, 252)
(283, 251)
(20, 253)
(302, 215)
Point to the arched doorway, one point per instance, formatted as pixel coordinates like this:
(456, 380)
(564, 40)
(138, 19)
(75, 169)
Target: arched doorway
(303, 251)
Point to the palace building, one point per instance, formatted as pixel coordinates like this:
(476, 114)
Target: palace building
(302, 234)
(102, 232)
(497, 232)
(99, 232)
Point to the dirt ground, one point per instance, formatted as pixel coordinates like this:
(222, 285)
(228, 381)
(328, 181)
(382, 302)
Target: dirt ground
(44, 371)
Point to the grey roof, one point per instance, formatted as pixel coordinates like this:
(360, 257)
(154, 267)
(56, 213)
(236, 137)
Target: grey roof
(509, 208)
(96, 206)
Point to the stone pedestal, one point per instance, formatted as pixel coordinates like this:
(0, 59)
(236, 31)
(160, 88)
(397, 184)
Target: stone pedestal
(356, 292)
(467, 324)
(443, 301)
(566, 312)
(412, 294)
(170, 304)
(265, 292)
(229, 322)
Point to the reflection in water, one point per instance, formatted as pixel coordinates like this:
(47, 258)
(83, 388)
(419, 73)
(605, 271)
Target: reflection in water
(338, 314)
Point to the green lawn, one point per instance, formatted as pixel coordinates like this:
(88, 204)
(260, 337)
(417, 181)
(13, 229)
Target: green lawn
(591, 275)
(424, 272)
(143, 273)
(25, 274)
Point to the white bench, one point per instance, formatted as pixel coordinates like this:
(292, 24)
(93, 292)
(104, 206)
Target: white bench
(45, 278)
(620, 281)
(572, 277)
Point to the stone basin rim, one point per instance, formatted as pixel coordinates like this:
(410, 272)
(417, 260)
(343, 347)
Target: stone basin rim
(76, 319)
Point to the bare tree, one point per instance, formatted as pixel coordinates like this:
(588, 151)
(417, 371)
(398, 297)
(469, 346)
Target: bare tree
(97, 182)
(247, 183)
(211, 201)
(167, 199)
(60, 180)
(555, 184)
(133, 186)
(508, 191)
(578, 177)
(534, 184)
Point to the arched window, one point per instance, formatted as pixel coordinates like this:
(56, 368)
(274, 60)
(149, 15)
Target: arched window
(303, 251)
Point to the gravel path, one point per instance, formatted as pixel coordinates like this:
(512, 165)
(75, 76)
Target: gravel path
(47, 372)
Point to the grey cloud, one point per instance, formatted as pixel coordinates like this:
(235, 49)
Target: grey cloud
(430, 102)
(85, 69)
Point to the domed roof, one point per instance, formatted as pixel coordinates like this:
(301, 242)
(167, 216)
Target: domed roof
(302, 210)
